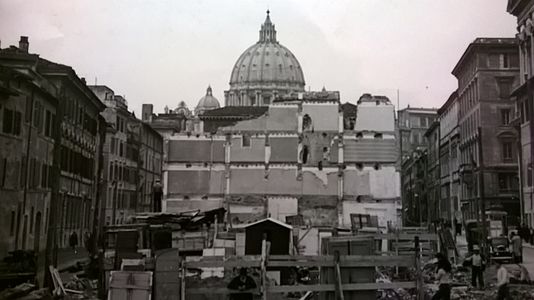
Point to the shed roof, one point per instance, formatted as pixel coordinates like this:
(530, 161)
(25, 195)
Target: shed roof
(271, 220)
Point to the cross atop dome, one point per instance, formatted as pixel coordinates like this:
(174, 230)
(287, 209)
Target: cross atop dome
(267, 31)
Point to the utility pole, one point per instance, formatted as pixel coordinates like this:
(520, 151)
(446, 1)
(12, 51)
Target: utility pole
(481, 190)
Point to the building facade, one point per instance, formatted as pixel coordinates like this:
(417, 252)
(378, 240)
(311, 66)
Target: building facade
(28, 109)
(486, 73)
(449, 137)
(296, 158)
(413, 122)
(132, 158)
(523, 98)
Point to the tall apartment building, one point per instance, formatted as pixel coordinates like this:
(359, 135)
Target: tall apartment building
(59, 163)
(412, 123)
(449, 137)
(132, 160)
(486, 73)
(523, 99)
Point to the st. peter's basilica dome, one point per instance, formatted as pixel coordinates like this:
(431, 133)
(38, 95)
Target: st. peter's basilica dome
(264, 71)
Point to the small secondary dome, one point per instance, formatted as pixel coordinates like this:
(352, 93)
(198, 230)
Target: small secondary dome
(207, 102)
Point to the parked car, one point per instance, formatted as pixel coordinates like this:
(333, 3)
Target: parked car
(500, 249)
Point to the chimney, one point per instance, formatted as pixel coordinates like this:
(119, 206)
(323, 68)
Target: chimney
(24, 44)
(83, 80)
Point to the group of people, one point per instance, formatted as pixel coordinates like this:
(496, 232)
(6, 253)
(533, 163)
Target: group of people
(526, 233)
(87, 239)
(478, 265)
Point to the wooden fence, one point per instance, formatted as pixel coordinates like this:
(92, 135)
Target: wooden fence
(328, 261)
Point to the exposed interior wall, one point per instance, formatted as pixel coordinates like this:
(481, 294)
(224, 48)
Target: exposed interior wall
(308, 241)
(183, 182)
(385, 183)
(281, 207)
(196, 150)
(317, 113)
(385, 211)
(319, 210)
(253, 153)
(377, 118)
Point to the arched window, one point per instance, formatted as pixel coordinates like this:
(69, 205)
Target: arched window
(304, 154)
(307, 123)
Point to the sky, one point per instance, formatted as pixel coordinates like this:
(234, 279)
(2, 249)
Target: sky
(166, 51)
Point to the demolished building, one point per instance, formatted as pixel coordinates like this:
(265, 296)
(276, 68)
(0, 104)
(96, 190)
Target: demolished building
(302, 156)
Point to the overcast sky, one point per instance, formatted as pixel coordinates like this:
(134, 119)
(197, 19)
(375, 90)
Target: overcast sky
(163, 52)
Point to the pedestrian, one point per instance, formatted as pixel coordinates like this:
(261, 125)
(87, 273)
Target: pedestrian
(443, 277)
(242, 283)
(73, 241)
(458, 226)
(478, 264)
(517, 248)
(502, 282)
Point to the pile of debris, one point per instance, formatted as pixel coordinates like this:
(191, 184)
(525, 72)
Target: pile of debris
(25, 291)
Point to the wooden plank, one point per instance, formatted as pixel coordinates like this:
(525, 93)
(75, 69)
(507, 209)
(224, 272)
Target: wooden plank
(129, 286)
(322, 261)
(222, 263)
(339, 284)
(371, 261)
(309, 261)
(392, 237)
(312, 288)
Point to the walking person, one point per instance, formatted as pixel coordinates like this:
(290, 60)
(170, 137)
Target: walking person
(478, 264)
(502, 282)
(73, 241)
(443, 277)
(517, 248)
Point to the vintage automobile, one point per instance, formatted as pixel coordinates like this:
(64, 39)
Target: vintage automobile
(500, 249)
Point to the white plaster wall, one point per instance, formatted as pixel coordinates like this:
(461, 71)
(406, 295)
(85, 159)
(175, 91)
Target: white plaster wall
(309, 241)
(281, 207)
(384, 183)
(385, 211)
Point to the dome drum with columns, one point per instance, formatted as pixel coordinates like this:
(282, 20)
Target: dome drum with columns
(264, 71)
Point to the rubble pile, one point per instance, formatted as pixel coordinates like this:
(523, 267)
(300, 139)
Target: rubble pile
(81, 284)
(25, 291)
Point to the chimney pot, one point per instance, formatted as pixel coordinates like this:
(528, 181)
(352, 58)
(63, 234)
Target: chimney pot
(83, 80)
(24, 44)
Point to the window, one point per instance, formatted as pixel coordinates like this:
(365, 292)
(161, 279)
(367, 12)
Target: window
(11, 123)
(12, 226)
(505, 116)
(245, 140)
(507, 151)
(507, 182)
(505, 87)
(48, 125)
(44, 173)
(113, 145)
(120, 148)
(504, 61)
(31, 220)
